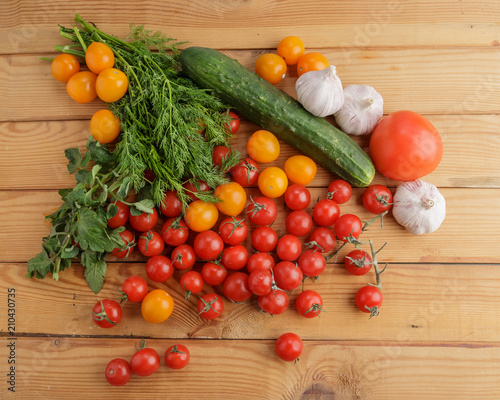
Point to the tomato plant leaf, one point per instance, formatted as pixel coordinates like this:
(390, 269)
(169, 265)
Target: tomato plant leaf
(91, 231)
(39, 265)
(95, 271)
(70, 252)
(111, 211)
(75, 159)
(124, 188)
(145, 205)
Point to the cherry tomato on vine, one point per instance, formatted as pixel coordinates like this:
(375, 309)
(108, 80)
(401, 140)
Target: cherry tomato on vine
(157, 306)
(210, 306)
(233, 198)
(150, 243)
(348, 225)
(129, 242)
(234, 124)
(213, 274)
(287, 275)
(118, 372)
(271, 68)
(405, 146)
(208, 245)
(311, 62)
(340, 191)
(260, 282)
(246, 172)
(107, 313)
(159, 268)
(121, 216)
(291, 49)
(233, 230)
(192, 282)
(144, 222)
(81, 87)
(369, 299)
(171, 206)
(104, 126)
(274, 303)
(234, 257)
(289, 247)
(377, 199)
(272, 182)
(264, 239)
(323, 239)
(297, 197)
(135, 288)
(177, 356)
(219, 154)
(111, 85)
(236, 288)
(98, 57)
(174, 232)
(64, 66)
(326, 212)
(300, 169)
(358, 262)
(260, 262)
(289, 347)
(183, 257)
(263, 147)
(201, 216)
(262, 210)
(312, 263)
(145, 362)
(309, 304)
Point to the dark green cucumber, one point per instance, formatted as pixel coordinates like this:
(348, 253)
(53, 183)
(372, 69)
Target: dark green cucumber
(272, 109)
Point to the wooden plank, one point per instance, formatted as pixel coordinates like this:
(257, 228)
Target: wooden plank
(428, 303)
(463, 81)
(43, 143)
(48, 368)
(457, 240)
(31, 26)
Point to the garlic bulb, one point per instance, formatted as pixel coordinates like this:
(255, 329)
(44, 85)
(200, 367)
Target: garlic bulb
(320, 92)
(363, 107)
(419, 207)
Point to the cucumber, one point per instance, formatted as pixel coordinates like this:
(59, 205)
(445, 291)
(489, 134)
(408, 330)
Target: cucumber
(272, 109)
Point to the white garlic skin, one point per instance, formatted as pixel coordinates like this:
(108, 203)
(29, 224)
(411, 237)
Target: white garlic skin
(362, 110)
(419, 207)
(320, 92)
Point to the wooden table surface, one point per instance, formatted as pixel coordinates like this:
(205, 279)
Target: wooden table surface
(438, 333)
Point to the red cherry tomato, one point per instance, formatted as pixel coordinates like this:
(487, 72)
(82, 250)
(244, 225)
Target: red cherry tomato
(323, 239)
(174, 232)
(289, 248)
(340, 191)
(299, 223)
(309, 304)
(135, 288)
(236, 288)
(377, 199)
(274, 303)
(369, 299)
(260, 282)
(264, 239)
(213, 274)
(193, 188)
(159, 268)
(219, 154)
(358, 262)
(118, 372)
(235, 257)
(246, 172)
(260, 262)
(287, 275)
(107, 313)
(150, 243)
(289, 347)
(192, 283)
(177, 356)
(262, 210)
(145, 362)
(171, 206)
(312, 263)
(144, 222)
(210, 306)
(348, 225)
(121, 216)
(129, 242)
(233, 230)
(234, 124)
(183, 257)
(208, 245)
(326, 212)
(297, 197)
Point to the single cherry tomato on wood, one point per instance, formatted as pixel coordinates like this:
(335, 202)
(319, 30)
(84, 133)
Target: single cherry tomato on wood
(287, 275)
(260, 282)
(145, 362)
(262, 210)
(233, 230)
(236, 288)
(192, 283)
(210, 306)
(311, 62)
(274, 303)
(297, 197)
(377, 199)
(358, 262)
(246, 172)
(289, 347)
(64, 66)
(159, 268)
(177, 356)
(157, 306)
(312, 263)
(264, 239)
(309, 304)
(260, 262)
(201, 216)
(183, 257)
(299, 223)
(144, 221)
(135, 289)
(263, 146)
(111, 85)
(234, 257)
(289, 247)
(323, 239)
(118, 372)
(107, 313)
(271, 68)
(291, 49)
(346, 226)
(272, 182)
(326, 212)
(208, 245)
(339, 191)
(233, 198)
(150, 244)
(369, 299)
(213, 274)
(171, 206)
(174, 232)
(300, 169)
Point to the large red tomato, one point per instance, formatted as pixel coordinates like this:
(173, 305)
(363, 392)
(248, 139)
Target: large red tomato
(405, 146)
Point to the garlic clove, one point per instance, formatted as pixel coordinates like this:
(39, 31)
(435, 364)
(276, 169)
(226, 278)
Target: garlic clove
(362, 110)
(419, 207)
(320, 92)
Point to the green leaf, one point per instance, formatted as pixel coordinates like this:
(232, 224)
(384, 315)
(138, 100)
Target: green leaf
(124, 188)
(99, 153)
(95, 271)
(114, 235)
(83, 176)
(71, 252)
(91, 231)
(39, 265)
(64, 193)
(86, 159)
(75, 159)
(145, 205)
(95, 170)
(111, 211)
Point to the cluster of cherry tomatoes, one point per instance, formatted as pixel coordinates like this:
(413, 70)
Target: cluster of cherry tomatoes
(101, 80)
(290, 52)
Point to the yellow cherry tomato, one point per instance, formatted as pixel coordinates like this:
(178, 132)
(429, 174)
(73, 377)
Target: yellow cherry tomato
(271, 67)
(111, 85)
(233, 196)
(291, 49)
(263, 147)
(81, 87)
(104, 126)
(201, 216)
(272, 182)
(157, 306)
(98, 57)
(300, 169)
(64, 66)
(312, 62)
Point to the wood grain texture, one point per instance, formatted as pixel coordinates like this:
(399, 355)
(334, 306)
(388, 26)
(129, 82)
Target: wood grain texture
(428, 81)
(250, 370)
(427, 303)
(456, 241)
(31, 26)
(32, 153)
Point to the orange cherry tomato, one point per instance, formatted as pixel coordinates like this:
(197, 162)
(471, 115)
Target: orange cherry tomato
(272, 182)
(271, 67)
(81, 87)
(157, 306)
(99, 57)
(263, 147)
(64, 66)
(201, 216)
(300, 169)
(233, 198)
(291, 49)
(104, 126)
(312, 62)
(111, 85)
